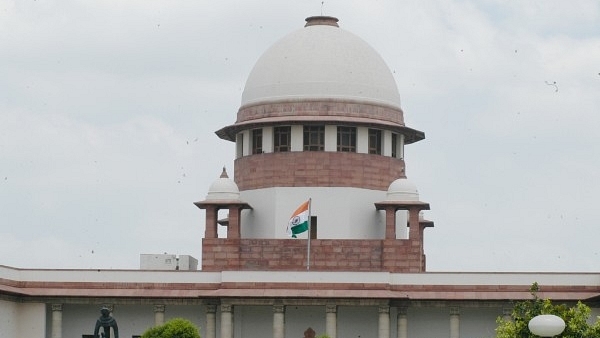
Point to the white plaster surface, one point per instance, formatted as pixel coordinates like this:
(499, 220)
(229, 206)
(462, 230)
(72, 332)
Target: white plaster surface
(321, 62)
(342, 212)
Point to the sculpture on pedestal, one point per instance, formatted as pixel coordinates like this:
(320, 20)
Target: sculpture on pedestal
(106, 321)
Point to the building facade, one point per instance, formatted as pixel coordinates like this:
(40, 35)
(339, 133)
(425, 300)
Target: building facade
(320, 120)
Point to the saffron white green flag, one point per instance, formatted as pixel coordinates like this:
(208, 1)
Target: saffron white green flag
(299, 221)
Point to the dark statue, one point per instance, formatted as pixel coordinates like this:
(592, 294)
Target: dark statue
(106, 322)
(309, 333)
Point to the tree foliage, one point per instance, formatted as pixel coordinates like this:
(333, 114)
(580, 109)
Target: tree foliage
(575, 317)
(174, 328)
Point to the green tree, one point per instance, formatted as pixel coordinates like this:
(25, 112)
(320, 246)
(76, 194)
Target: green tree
(575, 317)
(174, 328)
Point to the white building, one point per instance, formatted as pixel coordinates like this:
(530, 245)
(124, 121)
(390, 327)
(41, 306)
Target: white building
(320, 118)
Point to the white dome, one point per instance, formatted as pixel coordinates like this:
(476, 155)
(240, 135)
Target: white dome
(223, 188)
(402, 190)
(321, 61)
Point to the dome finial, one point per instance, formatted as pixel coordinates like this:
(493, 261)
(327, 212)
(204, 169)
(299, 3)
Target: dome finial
(321, 20)
(224, 173)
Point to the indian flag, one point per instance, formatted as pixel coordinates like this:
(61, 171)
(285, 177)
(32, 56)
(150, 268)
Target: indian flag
(299, 221)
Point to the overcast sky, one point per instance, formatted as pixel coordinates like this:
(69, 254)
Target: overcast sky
(108, 111)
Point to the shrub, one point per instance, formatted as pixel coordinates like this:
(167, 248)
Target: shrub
(174, 328)
(575, 317)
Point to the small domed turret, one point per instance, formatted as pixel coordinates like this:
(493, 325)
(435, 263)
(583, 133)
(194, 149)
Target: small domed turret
(223, 188)
(402, 190)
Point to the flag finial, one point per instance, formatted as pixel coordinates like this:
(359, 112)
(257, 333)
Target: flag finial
(224, 173)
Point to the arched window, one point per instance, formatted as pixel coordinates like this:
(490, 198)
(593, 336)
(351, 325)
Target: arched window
(314, 138)
(346, 139)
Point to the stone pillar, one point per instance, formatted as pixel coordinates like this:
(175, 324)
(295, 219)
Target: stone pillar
(233, 226)
(211, 321)
(278, 321)
(384, 321)
(210, 230)
(159, 314)
(331, 320)
(414, 232)
(390, 222)
(226, 321)
(57, 320)
(454, 322)
(402, 322)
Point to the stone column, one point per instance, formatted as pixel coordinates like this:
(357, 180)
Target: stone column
(384, 321)
(331, 320)
(57, 320)
(278, 321)
(211, 321)
(210, 229)
(413, 223)
(390, 222)
(402, 322)
(159, 314)
(454, 322)
(226, 321)
(233, 226)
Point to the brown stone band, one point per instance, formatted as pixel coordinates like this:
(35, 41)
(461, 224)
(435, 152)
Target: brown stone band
(330, 107)
(121, 292)
(321, 112)
(317, 169)
(397, 255)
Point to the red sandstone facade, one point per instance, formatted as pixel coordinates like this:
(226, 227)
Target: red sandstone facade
(317, 169)
(222, 254)
(321, 111)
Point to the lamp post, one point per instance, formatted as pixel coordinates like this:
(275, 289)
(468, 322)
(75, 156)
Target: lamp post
(546, 325)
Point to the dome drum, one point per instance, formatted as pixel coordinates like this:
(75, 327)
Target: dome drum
(325, 107)
(324, 112)
(229, 133)
(317, 169)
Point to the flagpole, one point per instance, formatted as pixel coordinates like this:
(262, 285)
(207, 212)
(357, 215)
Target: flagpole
(308, 245)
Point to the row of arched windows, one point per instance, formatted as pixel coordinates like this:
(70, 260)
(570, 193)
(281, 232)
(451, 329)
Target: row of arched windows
(340, 138)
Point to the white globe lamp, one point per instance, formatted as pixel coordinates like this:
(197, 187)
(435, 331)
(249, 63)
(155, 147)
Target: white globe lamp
(546, 325)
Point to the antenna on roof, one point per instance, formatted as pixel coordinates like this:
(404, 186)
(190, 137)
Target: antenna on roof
(322, 3)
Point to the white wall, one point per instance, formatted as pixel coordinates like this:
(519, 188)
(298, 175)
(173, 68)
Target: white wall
(330, 138)
(342, 213)
(300, 318)
(362, 140)
(31, 319)
(22, 319)
(8, 319)
(428, 322)
(478, 322)
(267, 139)
(253, 321)
(357, 322)
(297, 138)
